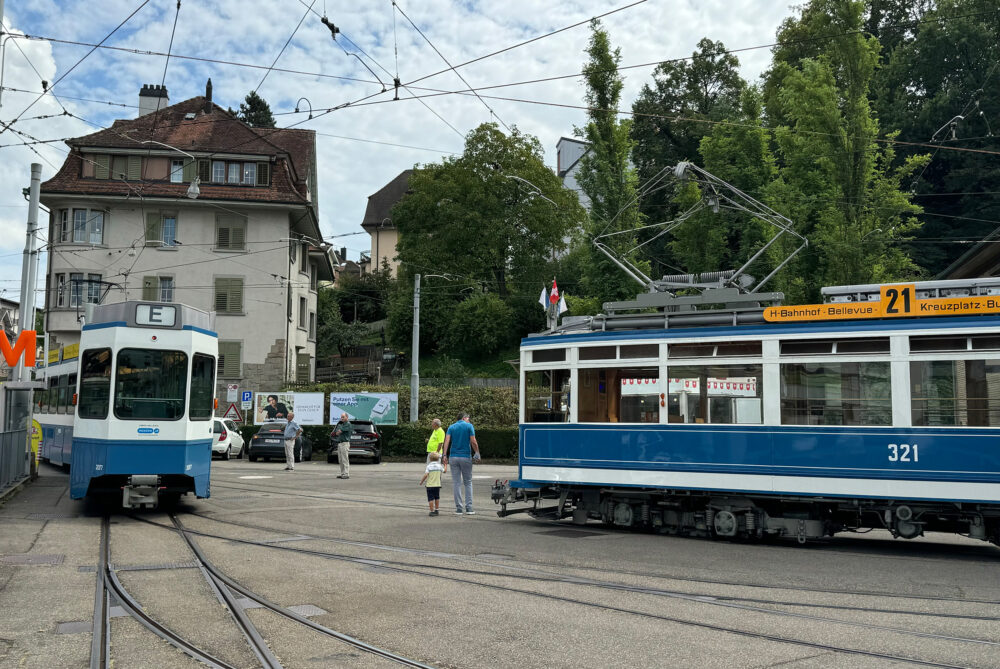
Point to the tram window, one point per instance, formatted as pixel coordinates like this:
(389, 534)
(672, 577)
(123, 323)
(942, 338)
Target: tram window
(842, 393)
(955, 392)
(53, 394)
(598, 353)
(549, 355)
(806, 347)
(714, 394)
(629, 395)
(875, 345)
(150, 384)
(95, 383)
(62, 394)
(202, 387)
(547, 396)
(985, 343)
(690, 350)
(737, 348)
(639, 351)
(70, 389)
(41, 399)
(928, 344)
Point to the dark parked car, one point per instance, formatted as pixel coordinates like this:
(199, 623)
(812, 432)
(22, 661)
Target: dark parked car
(366, 442)
(269, 442)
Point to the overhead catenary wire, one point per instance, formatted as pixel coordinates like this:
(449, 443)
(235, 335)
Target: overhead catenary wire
(287, 42)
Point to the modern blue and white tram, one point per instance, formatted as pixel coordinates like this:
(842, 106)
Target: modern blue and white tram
(54, 411)
(799, 429)
(145, 398)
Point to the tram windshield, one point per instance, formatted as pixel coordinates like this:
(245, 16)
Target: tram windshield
(150, 385)
(95, 383)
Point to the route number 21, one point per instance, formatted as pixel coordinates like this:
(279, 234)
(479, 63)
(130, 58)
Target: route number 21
(902, 452)
(898, 300)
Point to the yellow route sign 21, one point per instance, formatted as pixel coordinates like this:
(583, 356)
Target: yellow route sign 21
(895, 301)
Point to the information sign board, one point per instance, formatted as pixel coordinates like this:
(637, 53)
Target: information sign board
(379, 408)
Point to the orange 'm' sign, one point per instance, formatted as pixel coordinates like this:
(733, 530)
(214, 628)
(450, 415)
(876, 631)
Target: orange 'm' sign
(895, 301)
(23, 347)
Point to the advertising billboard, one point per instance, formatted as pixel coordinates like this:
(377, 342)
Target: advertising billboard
(379, 408)
(308, 407)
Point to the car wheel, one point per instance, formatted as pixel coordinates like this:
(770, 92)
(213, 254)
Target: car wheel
(225, 456)
(253, 458)
(377, 459)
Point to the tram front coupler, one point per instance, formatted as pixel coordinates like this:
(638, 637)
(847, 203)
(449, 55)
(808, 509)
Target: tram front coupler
(141, 490)
(503, 494)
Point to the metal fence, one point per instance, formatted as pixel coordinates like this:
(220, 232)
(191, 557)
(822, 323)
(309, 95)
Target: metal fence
(14, 463)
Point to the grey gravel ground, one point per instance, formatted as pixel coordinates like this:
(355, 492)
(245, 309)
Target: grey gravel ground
(480, 591)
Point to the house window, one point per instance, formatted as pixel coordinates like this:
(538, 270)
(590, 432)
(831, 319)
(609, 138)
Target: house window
(312, 325)
(230, 232)
(218, 171)
(60, 290)
(88, 226)
(64, 226)
(302, 312)
(312, 276)
(230, 359)
(234, 173)
(250, 173)
(94, 288)
(75, 289)
(80, 225)
(176, 171)
(119, 167)
(229, 296)
(161, 228)
(304, 258)
(158, 288)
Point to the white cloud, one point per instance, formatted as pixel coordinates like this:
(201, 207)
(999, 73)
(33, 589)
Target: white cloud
(253, 31)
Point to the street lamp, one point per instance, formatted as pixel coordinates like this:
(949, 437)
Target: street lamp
(415, 352)
(193, 190)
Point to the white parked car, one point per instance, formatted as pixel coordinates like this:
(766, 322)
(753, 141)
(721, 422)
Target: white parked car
(228, 440)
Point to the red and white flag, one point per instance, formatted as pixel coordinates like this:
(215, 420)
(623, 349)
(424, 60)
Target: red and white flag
(554, 293)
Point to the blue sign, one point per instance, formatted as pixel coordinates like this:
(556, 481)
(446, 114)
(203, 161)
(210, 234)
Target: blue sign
(246, 396)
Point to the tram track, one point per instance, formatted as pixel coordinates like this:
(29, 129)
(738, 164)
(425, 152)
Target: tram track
(626, 573)
(449, 573)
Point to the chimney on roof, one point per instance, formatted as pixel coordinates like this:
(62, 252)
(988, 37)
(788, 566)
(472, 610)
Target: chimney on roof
(208, 96)
(343, 254)
(151, 98)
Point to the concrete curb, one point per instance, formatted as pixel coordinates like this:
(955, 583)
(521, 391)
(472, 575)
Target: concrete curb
(12, 490)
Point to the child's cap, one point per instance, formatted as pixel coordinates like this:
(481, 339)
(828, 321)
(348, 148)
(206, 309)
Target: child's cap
(435, 456)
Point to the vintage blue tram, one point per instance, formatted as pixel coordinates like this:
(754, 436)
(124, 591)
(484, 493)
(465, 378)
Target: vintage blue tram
(717, 423)
(144, 402)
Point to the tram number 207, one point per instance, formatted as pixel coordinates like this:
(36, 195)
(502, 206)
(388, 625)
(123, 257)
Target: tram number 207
(903, 453)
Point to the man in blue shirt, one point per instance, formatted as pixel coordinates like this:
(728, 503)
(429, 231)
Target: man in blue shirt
(460, 450)
(292, 432)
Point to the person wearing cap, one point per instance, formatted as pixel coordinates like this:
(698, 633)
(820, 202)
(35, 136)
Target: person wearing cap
(460, 450)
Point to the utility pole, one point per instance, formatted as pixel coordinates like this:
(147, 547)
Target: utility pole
(415, 355)
(29, 264)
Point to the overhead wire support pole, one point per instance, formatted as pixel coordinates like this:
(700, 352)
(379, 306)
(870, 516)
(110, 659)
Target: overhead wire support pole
(415, 355)
(28, 265)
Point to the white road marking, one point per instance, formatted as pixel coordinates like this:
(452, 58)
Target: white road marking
(256, 477)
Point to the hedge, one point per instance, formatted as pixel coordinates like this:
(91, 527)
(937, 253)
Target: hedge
(409, 439)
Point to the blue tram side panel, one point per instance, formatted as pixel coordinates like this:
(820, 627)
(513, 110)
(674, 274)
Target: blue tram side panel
(721, 431)
(142, 426)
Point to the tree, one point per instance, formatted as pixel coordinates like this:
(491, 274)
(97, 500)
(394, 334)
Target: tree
(333, 335)
(838, 180)
(605, 174)
(482, 216)
(364, 298)
(946, 69)
(254, 111)
(480, 327)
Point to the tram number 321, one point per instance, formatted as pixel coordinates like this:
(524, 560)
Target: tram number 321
(902, 453)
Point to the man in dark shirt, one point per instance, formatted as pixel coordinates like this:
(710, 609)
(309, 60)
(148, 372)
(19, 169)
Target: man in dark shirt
(342, 436)
(274, 408)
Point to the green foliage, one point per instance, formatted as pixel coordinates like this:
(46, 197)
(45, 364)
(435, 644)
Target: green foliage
(333, 335)
(254, 111)
(480, 326)
(582, 306)
(411, 440)
(444, 368)
(605, 174)
(365, 298)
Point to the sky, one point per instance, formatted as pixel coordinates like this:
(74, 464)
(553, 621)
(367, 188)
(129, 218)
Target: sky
(361, 146)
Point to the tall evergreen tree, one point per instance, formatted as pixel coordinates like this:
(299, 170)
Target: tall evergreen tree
(254, 111)
(605, 174)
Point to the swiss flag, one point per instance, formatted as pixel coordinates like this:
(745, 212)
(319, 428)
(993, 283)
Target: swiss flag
(554, 293)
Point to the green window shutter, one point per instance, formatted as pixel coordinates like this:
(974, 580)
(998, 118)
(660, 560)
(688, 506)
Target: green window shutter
(150, 288)
(236, 295)
(153, 236)
(134, 168)
(103, 166)
(187, 175)
(238, 233)
(222, 295)
(205, 170)
(230, 355)
(263, 174)
(222, 236)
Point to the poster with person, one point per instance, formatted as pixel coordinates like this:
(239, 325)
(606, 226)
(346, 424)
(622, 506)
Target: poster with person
(270, 407)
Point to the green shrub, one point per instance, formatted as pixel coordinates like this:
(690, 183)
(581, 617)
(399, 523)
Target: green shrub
(480, 326)
(411, 440)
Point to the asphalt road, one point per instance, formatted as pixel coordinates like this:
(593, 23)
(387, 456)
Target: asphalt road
(361, 557)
